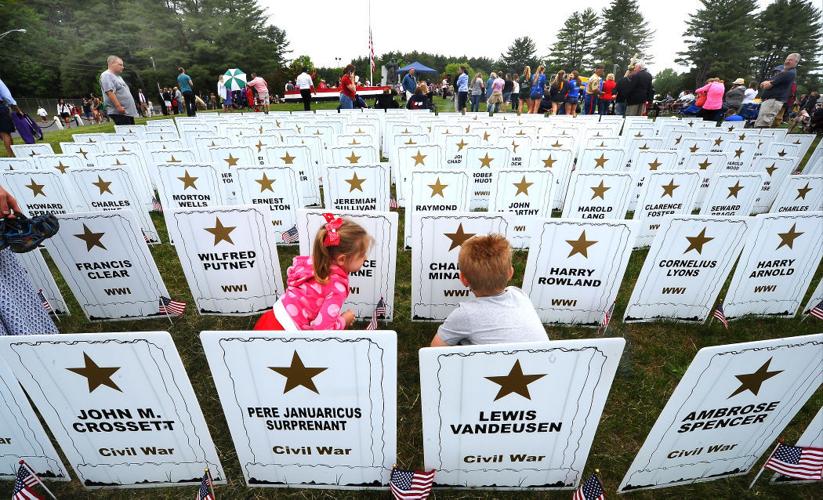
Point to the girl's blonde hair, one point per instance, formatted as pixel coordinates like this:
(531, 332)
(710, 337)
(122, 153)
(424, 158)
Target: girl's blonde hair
(354, 242)
(527, 72)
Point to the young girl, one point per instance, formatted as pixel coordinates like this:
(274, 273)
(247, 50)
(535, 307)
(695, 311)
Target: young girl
(318, 285)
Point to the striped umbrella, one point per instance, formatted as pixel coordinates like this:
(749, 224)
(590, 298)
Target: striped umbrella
(234, 79)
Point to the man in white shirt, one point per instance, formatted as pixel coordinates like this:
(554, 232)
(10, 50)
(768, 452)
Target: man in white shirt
(306, 86)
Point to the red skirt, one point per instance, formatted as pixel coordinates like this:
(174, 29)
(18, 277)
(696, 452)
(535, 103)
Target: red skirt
(268, 322)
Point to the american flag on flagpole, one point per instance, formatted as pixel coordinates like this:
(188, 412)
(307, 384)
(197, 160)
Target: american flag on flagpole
(371, 52)
(607, 317)
(408, 485)
(44, 301)
(290, 236)
(797, 462)
(23, 483)
(592, 489)
(721, 316)
(171, 307)
(393, 203)
(205, 492)
(817, 311)
(379, 312)
(155, 204)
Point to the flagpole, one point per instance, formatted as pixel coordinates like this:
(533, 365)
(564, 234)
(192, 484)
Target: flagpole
(763, 467)
(211, 484)
(371, 48)
(24, 464)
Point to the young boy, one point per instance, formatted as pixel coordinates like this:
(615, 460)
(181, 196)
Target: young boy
(499, 313)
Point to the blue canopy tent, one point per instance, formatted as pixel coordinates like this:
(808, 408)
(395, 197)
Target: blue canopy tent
(416, 66)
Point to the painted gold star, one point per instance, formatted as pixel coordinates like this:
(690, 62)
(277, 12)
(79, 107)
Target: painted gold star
(419, 158)
(123, 150)
(486, 161)
(288, 159)
(410, 142)
(580, 245)
(297, 374)
(355, 183)
(96, 375)
(668, 189)
(677, 141)
(802, 192)
(458, 237)
(231, 160)
(358, 131)
(738, 152)
(521, 132)
(461, 144)
(172, 159)
(734, 190)
(697, 242)
(782, 153)
(406, 131)
(92, 239)
(522, 186)
(259, 145)
(515, 382)
(188, 180)
(600, 162)
(515, 146)
(599, 191)
(770, 170)
(752, 381)
(62, 168)
(653, 165)
(638, 134)
(718, 141)
(437, 188)
(265, 183)
(486, 136)
(221, 232)
(694, 149)
(556, 144)
(102, 185)
(549, 162)
(353, 158)
(645, 146)
(787, 238)
(742, 137)
(704, 164)
(84, 153)
(602, 144)
(36, 189)
(468, 127)
(117, 163)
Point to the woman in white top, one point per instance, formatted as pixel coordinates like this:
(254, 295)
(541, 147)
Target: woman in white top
(750, 93)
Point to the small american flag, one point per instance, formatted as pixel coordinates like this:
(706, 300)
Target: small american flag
(205, 492)
(721, 316)
(290, 236)
(408, 485)
(592, 489)
(607, 317)
(171, 307)
(797, 462)
(393, 203)
(817, 311)
(155, 205)
(379, 312)
(44, 301)
(23, 483)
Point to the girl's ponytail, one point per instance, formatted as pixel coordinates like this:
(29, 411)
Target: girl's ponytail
(351, 240)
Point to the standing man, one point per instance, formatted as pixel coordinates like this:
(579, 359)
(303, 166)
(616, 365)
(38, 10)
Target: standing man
(776, 92)
(462, 89)
(593, 91)
(262, 88)
(116, 95)
(639, 90)
(409, 84)
(7, 103)
(306, 86)
(143, 102)
(186, 87)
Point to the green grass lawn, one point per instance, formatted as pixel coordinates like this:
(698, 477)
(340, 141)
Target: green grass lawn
(656, 357)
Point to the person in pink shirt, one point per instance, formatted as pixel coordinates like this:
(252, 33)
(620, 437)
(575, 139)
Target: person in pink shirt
(262, 89)
(715, 90)
(496, 98)
(318, 285)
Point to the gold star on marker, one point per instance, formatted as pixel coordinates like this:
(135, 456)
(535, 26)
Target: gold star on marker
(406, 131)
(461, 145)
(653, 165)
(802, 192)
(770, 170)
(600, 162)
(62, 168)
(212, 144)
(458, 237)
(738, 152)
(733, 190)
(556, 144)
(102, 185)
(355, 183)
(33, 154)
(639, 134)
(697, 242)
(288, 159)
(231, 160)
(84, 153)
(96, 375)
(221, 232)
(353, 158)
(260, 130)
(796, 142)
(782, 153)
(644, 146)
(92, 239)
(602, 144)
(188, 180)
(123, 150)
(410, 142)
(36, 189)
(522, 186)
(358, 131)
(515, 146)
(718, 141)
(172, 159)
(468, 128)
(418, 158)
(117, 163)
(437, 188)
(694, 149)
(787, 239)
(677, 141)
(515, 382)
(486, 136)
(265, 183)
(599, 191)
(298, 374)
(486, 161)
(549, 162)
(752, 381)
(317, 132)
(704, 164)
(731, 129)
(521, 132)
(259, 145)
(580, 245)
(668, 189)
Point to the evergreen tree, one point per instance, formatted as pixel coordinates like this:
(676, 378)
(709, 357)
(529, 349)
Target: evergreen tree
(783, 27)
(522, 52)
(575, 43)
(667, 81)
(717, 41)
(623, 34)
